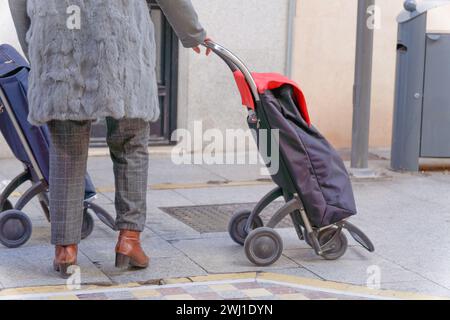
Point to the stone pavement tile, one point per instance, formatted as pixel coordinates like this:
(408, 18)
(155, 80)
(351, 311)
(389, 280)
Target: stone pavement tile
(102, 250)
(222, 287)
(279, 290)
(224, 195)
(42, 229)
(237, 172)
(293, 296)
(168, 227)
(164, 171)
(102, 200)
(101, 171)
(197, 289)
(232, 294)
(100, 163)
(439, 276)
(160, 268)
(423, 187)
(172, 291)
(248, 285)
(291, 240)
(70, 297)
(151, 299)
(353, 267)
(103, 231)
(10, 168)
(260, 291)
(166, 198)
(421, 287)
(180, 297)
(423, 248)
(405, 229)
(94, 296)
(202, 296)
(221, 255)
(32, 266)
(422, 255)
(119, 295)
(400, 210)
(298, 272)
(143, 294)
(257, 292)
(41, 234)
(266, 298)
(157, 198)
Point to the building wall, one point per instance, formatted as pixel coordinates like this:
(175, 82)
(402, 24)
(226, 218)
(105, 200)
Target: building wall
(324, 66)
(256, 31)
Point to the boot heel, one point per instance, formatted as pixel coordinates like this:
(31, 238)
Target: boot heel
(122, 261)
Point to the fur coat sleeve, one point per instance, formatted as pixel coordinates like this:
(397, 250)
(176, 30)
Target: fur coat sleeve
(184, 20)
(21, 21)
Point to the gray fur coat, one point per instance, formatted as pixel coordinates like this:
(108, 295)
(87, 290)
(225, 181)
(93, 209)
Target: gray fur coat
(104, 68)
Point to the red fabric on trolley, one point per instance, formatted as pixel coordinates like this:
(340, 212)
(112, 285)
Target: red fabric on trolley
(270, 81)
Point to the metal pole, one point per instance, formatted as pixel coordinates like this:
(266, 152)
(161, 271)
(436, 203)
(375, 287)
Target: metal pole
(292, 12)
(362, 87)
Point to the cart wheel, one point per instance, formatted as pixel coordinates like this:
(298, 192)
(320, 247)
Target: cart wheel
(88, 225)
(15, 228)
(263, 246)
(236, 227)
(338, 247)
(7, 206)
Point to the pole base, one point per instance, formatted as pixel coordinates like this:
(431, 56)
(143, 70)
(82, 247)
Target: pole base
(364, 173)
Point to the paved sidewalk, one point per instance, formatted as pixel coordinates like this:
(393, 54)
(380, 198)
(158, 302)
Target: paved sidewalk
(406, 215)
(243, 286)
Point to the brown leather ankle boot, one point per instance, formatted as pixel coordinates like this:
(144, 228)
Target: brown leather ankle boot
(65, 256)
(129, 251)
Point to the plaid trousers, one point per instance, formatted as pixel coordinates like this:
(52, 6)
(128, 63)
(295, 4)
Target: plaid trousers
(128, 143)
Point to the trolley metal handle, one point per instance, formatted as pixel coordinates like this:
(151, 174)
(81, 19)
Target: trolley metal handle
(234, 63)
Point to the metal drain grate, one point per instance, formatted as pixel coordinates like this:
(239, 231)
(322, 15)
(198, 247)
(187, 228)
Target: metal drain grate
(215, 218)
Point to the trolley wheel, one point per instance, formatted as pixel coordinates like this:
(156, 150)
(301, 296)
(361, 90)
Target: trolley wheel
(15, 228)
(263, 247)
(88, 224)
(236, 227)
(7, 206)
(337, 248)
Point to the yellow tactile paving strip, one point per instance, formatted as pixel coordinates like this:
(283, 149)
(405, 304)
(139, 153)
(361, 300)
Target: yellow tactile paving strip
(246, 286)
(181, 186)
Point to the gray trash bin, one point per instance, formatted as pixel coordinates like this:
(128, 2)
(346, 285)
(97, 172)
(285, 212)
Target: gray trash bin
(421, 126)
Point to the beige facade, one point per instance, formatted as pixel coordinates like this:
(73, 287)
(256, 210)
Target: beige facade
(324, 66)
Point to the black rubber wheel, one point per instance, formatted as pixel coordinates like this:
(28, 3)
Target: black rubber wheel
(263, 247)
(88, 225)
(236, 227)
(7, 206)
(338, 247)
(15, 228)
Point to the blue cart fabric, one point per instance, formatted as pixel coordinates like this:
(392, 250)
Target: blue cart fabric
(317, 172)
(14, 71)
